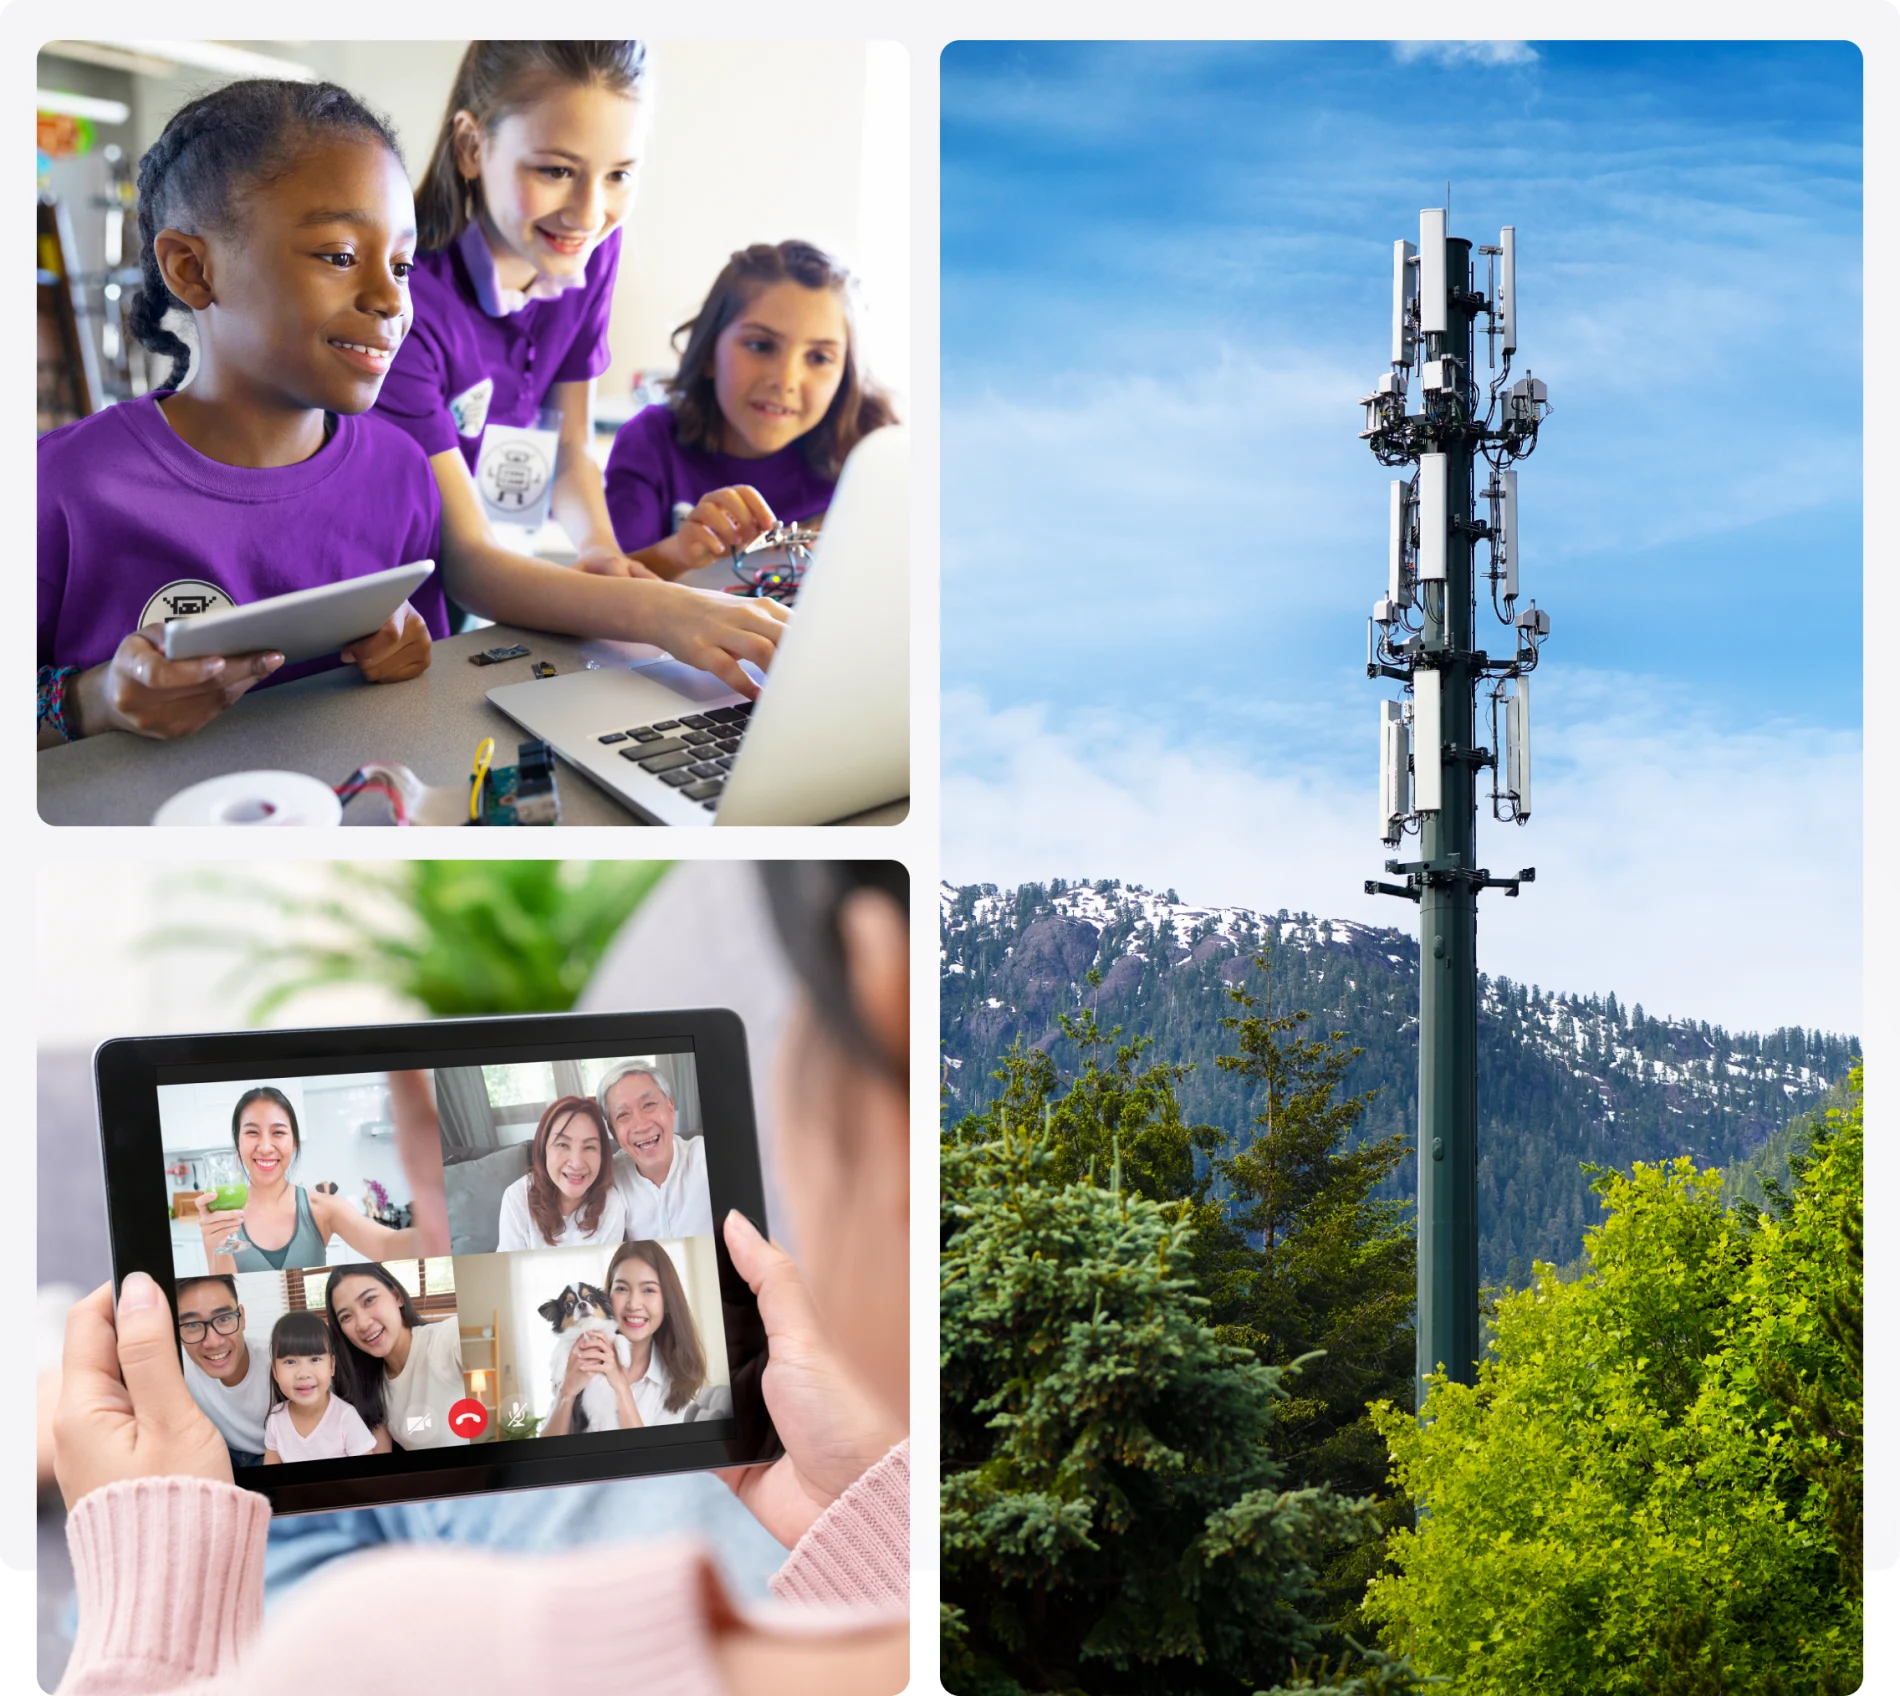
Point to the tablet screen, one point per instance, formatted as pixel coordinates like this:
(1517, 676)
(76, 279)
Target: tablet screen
(586, 1306)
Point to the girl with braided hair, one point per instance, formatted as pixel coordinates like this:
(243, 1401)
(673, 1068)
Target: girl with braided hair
(277, 218)
(520, 212)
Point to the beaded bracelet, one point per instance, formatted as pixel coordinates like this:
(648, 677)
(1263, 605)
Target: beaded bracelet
(52, 707)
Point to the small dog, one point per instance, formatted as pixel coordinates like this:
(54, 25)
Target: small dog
(578, 1309)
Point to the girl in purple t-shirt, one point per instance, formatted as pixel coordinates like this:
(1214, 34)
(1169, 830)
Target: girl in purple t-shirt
(519, 217)
(770, 396)
(278, 216)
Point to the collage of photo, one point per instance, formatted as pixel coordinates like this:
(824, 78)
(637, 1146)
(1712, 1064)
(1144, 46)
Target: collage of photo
(581, 1291)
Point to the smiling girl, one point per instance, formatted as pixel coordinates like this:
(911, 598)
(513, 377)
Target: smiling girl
(283, 1224)
(664, 1383)
(520, 216)
(306, 1421)
(277, 218)
(770, 395)
(567, 1196)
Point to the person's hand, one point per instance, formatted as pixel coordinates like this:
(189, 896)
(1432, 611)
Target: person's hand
(724, 520)
(419, 1146)
(139, 690)
(833, 1430)
(605, 560)
(217, 1227)
(396, 652)
(124, 1411)
(607, 1351)
(715, 632)
(583, 1361)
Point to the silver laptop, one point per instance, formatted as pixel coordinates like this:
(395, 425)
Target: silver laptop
(830, 733)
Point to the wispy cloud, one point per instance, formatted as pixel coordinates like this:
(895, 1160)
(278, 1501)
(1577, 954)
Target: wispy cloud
(1662, 842)
(1465, 52)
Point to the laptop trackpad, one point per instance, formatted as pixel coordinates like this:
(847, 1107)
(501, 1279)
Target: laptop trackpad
(685, 680)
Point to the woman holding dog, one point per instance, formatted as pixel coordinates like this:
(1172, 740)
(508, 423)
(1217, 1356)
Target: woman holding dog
(661, 1383)
(142, 1468)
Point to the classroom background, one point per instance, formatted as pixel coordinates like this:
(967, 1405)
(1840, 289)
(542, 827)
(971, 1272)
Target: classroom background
(751, 141)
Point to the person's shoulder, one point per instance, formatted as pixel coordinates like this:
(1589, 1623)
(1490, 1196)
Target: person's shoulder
(389, 448)
(434, 281)
(604, 261)
(83, 440)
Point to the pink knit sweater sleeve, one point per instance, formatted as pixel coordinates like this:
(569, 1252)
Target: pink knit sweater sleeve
(859, 1551)
(170, 1576)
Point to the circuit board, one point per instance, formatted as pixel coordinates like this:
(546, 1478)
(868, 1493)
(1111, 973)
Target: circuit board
(523, 794)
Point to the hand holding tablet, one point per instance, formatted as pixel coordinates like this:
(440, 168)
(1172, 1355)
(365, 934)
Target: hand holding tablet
(358, 1334)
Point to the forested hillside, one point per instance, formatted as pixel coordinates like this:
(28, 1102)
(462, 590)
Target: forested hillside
(1564, 1079)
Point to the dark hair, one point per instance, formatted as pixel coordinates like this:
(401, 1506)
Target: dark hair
(223, 1278)
(265, 1092)
(677, 1340)
(859, 406)
(805, 896)
(301, 1332)
(361, 1375)
(494, 81)
(544, 1200)
(243, 134)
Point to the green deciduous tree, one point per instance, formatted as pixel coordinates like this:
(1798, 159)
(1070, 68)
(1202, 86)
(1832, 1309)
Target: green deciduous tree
(1655, 1485)
(1113, 1517)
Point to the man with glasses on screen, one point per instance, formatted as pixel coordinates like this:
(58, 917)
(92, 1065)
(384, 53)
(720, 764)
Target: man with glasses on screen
(228, 1374)
(662, 1177)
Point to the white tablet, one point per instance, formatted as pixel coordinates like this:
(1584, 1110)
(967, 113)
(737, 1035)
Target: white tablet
(303, 625)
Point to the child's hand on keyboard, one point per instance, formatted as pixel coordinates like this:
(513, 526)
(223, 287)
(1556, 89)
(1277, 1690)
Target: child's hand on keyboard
(714, 632)
(139, 690)
(398, 651)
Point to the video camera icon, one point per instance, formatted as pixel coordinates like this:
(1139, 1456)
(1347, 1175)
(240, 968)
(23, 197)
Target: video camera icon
(468, 1418)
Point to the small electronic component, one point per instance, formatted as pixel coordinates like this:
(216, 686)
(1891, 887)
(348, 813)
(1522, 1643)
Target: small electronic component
(523, 793)
(494, 656)
(543, 669)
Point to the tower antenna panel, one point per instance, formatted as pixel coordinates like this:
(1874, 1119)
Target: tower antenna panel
(1428, 789)
(1399, 577)
(1507, 288)
(1431, 517)
(1404, 294)
(1431, 271)
(1517, 738)
(1507, 531)
(1395, 779)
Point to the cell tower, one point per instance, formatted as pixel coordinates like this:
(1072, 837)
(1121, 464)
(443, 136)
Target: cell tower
(1423, 634)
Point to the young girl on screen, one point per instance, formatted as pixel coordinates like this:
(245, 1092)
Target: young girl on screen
(307, 1419)
(520, 214)
(771, 395)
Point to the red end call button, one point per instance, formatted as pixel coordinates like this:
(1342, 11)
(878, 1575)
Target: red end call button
(468, 1418)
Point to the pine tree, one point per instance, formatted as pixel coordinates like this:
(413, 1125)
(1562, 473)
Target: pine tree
(1113, 1516)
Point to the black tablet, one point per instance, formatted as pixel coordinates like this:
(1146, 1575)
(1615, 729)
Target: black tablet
(586, 1321)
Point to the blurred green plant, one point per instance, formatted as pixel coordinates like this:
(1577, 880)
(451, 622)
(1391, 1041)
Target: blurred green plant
(457, 937)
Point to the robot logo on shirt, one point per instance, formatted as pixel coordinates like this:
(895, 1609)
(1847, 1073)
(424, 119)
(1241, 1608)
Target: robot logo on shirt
(469, 409)
(183, 599)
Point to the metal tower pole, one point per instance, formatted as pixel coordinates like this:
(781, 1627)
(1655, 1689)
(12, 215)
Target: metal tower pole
(1423, 634)
(1448, 907)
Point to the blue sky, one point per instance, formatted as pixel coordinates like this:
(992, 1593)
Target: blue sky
(1166, 280)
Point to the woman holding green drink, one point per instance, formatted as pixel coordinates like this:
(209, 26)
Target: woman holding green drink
(278, 1224)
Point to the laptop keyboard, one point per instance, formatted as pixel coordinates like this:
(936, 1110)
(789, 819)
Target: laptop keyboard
(692, 753)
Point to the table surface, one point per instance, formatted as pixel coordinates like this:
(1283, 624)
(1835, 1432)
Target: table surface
(330, 724)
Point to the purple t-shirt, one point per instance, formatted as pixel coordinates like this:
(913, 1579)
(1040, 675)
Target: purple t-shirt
(649, 473)
(461, 369)
(136, 527)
